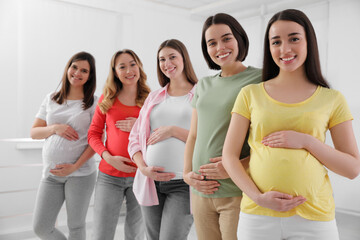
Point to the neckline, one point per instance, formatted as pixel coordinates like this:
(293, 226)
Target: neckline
(290, 104)
(125, 104)
(221, 77)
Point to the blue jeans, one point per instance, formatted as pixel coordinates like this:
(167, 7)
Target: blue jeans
(171, 219)
(110, 192)
(53, 191)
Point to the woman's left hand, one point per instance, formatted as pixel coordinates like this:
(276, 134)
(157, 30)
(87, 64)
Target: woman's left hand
(214, 170)
(285, 139)
(63, 170)
(126, 125)
(160, 134)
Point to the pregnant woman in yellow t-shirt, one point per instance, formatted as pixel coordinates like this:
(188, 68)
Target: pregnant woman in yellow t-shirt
(287, 188)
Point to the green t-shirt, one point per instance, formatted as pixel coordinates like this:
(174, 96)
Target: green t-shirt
(213, 100)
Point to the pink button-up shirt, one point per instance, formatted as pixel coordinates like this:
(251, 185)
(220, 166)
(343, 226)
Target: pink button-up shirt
(144, 187)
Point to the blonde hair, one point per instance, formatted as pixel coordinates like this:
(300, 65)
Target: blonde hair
(113, 84)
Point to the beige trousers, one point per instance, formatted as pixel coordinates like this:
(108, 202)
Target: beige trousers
(215, 218)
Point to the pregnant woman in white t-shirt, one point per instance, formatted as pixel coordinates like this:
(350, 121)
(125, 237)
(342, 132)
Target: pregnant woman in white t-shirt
(157, 143)
(69, 171)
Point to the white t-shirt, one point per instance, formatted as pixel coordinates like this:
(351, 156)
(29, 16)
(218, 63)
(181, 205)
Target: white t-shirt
(169, 153)
(58, 150)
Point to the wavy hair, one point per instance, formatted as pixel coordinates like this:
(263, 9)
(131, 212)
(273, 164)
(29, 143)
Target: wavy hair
(188, 68)
(113, 84)
(88, 88)
(312, 62)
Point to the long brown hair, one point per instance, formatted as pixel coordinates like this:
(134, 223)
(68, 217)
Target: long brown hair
(89, 87)
(188, 68)
(312, 62)
(113, 84)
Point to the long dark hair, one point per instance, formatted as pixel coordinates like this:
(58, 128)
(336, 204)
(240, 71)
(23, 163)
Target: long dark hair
(188, 68)
(312, 62)
(236, 29)
(89, 86)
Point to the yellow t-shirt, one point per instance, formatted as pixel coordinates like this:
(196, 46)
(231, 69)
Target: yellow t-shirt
(292, 171)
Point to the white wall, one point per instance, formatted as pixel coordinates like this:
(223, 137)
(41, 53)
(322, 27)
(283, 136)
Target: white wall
(41, 35)
(38, 37)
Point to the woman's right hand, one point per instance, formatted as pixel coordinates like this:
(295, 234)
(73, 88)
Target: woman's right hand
(278, 201)
(200, 184)
(119, 162)
(66, 131)
(157, 173)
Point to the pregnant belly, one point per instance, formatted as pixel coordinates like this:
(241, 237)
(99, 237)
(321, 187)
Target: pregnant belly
(291, 171)
(168, 154)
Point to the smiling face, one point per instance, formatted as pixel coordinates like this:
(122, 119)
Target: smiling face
(288, 45)
(171, 63)
(78, 73)
(126, 69)
(222, 46)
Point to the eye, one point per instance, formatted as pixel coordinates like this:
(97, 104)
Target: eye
(74, 67)
(162, 60)
(84, 71)
(274, 43)
(172, 57)
(211, 44)
(121, 67)
(133, 64)
(226, 39)
(294, 39)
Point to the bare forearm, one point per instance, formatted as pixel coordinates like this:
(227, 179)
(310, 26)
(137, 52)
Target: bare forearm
(85, 156)
(42, 132)
(139, 160)
(188, 154)
(337, 161)
(179, 133)
(239, 176)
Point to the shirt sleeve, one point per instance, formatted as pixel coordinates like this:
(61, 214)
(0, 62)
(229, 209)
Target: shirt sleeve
(42, 113)
(341, 111)
(241, 105)
(96, 131)
(195, 97)
(134, 136)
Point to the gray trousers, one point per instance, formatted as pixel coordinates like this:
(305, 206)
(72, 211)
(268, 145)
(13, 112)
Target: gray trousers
(171, 219)
(110, 192)
(53, 191)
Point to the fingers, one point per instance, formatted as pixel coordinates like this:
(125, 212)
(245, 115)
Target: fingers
(128, 169)
(124, 125)
(208, 166)
(216, 159)
(280, 201)
(70, 134)
(156, 169)
(210, 173)
(207, 187)
(288, 204)
(124, 159)
(58, 172)
(154, 138)
(196, 176)
(164, 176)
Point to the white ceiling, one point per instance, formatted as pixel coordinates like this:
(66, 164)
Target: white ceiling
(242, 8)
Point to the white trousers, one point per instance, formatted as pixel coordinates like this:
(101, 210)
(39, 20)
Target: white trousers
(258, 227)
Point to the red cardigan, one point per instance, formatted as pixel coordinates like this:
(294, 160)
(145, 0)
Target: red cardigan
(116, 140)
